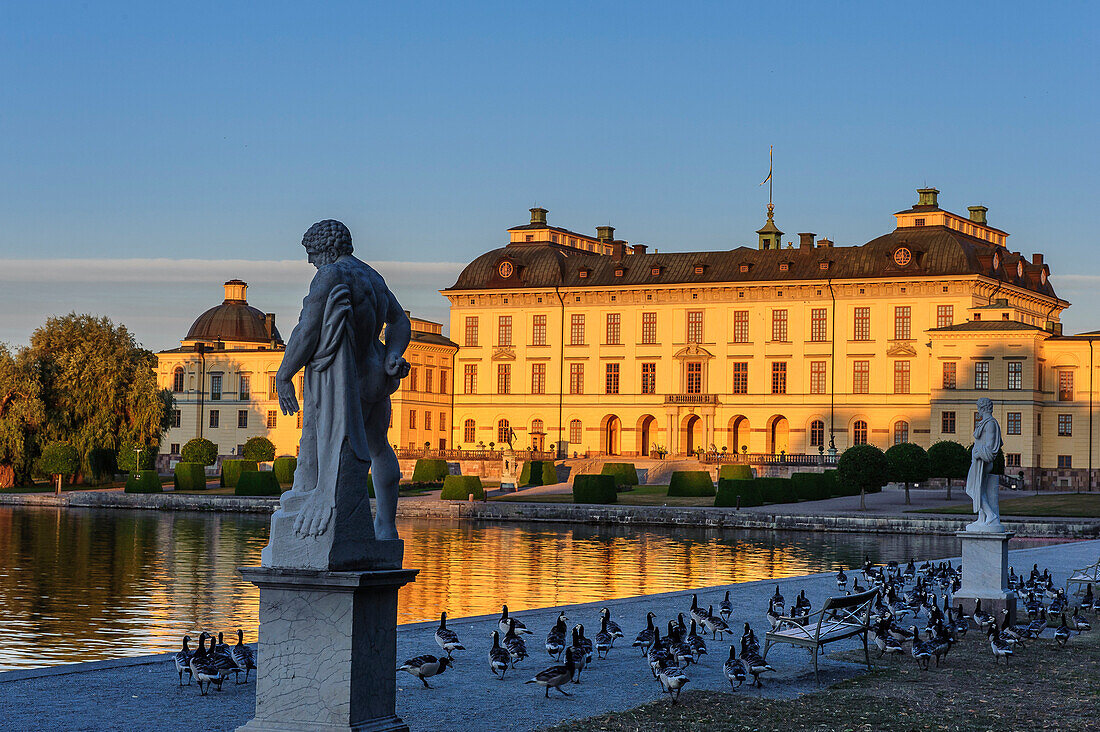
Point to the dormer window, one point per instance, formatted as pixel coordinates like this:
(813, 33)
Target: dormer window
(554, 238)
(743, 268)
(823, 265)
(784, 266)
(918, 222)
(619, 272)
(529, 237)
(1019, 269)
(655, 271)
(583, 274)
(698, 269)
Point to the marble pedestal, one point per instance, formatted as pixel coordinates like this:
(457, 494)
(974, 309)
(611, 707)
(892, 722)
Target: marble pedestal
(985, 573)
(509, 474)
(327, 650)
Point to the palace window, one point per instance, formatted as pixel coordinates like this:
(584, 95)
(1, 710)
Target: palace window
(740, 326)
(298, 417)
(695, 326)
(412, 420)
(817, 433)
(427, 381)
(1012, 459)
(245, 389)
(1065, 461)
(242, 418)
(945, 315)
(614, 324)
(427, 420)
(1065, 385)
(901, 377)
(538, 330)
(214, 417)
(740, 377)
(859, 432)
(442, 421)
(215, 387)
(981, 375)
(575, 432)
(649, 378)
(442, 382)
(779, 326)
(469, 431)
(470, 379)
(413, 374)
(947, 423)
(950, 375)
(1014, 423)
(817, 377)
(1015, 375)
(576, 378)
(901, 432)
(576, 329)
(1065, 425)
(538, 378)
(504, 431)
(649, 327)
(861, 377)
(176, 416)
(694, 378)
(504, 378)
(819, 325)
(175, 448)
(611, 378)
(504, 330)
(471, 331)
(779, 377)
(272, 417)
(177, 380)
(902, 322)
(537, 427)
(918, 222)
(861, 326)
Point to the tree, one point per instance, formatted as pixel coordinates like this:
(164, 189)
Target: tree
(22, 414)
(865, 467)
(908, 464)
(948, 459)
(59, 459)
(200, 450)
(127, 458)
(259, 449)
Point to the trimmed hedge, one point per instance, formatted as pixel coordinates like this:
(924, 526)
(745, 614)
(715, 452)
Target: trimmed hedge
(776, 490)
(625, 474)
(190, 477)
(257, 483)
(232, 470)
(430, 470)
(538, 472)
(284, 468)
(147, 481)
(730, 490)
(735, 472)
(461, 487)
(595, 489)
(370, 485)
(691, 483)
(830, 483)
(810, 486)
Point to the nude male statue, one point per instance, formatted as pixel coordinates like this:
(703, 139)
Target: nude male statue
(349, 377)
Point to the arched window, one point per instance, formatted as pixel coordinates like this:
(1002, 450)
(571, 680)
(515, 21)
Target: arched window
(536, 427)
(817, 433)
(177, 380)
(504, 431)
(575, 432)
(859, 432)
(469, 431)
(901, 432)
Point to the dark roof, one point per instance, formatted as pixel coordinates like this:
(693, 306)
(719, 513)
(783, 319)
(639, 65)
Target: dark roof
(233, 320)
(433, 338)
(985, 325)
(936, 251)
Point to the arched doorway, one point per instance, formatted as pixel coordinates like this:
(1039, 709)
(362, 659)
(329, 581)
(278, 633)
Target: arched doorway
(612, 429)
(646, 434)
(690, 431)
(778, 435)
(738, 434)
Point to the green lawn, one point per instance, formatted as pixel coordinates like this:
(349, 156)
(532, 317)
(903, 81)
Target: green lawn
(1068, 505)
(641, 495)
(49, 488)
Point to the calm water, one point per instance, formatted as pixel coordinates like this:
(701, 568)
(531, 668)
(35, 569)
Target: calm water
(85, 584)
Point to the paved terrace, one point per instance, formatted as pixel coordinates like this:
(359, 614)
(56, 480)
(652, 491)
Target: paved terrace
(142, 693)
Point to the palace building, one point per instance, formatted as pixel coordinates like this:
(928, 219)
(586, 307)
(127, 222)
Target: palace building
(222, 377)
(605, 347)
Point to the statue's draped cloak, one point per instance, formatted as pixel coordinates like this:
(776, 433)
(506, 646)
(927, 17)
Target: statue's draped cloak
(987, 443)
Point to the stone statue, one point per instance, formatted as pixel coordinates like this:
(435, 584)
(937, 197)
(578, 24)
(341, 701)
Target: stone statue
(981, 485)
(324, 521)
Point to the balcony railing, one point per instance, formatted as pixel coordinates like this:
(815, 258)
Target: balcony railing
(691, 398)
(407, 453)
(766, 458)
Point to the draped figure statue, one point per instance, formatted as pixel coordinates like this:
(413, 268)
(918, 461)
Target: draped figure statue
(981, 485)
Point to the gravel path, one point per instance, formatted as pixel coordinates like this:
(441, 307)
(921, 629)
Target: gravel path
(141, 694)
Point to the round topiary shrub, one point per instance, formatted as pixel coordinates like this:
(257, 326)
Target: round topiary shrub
(102, 464)
(59, 458)
(144, 481)
(742, 493)
(199, 450)
(735, 472)
(429, 470)
(128, 453)
(691, 483)
(595, 489)
(625, 474)
(190, 477)
(258, 449)
(233, 469)
(461, 487)
(257, 483)
(284, 468)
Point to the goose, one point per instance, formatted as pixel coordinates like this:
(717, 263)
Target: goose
(658, 654)
(555, 639)
(221, 648)
(773, 616)
(1089, 600)
(777, 600)
(696, 613)
(515, 646)
(1001, 649)
(672, 681)
(581, 654)
(748, 640)
(243, 656)
(802, 603)
(1038, 625)
(555, 676)
(681, 651)
(612, 627)
(725, 608)
(201, 668)
(447, 638)
(981, 618)
(751, 659)
(698, 644)
(1096, 604)
(920, 650)
(910, 571)
(182, 659)
(1061, 634)
(603, 640)
(498, 657)
(886, 643)
(504, 624)
(734, 670)
(223, 661)
(940, 643)
(645, 639)
(714, 624)
(1079, 622)
(426, 666)
(841, 579)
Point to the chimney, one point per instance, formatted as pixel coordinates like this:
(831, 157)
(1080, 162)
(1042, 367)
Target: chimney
(606, 234)
(538, 216)
(269, 325)
(824, 242)
(806, 240)
(928, 197)
(618, 249)
(977, 214)
(639, 249)
(1037, 259)
(235, 291)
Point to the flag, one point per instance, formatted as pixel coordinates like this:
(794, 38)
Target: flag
(770, 148)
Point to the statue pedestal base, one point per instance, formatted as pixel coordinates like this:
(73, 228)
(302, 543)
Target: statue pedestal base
(509, 478)
(327, 650)
(985, 573)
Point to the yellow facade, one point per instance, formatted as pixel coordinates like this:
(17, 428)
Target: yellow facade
(620, 351)
(223, 380)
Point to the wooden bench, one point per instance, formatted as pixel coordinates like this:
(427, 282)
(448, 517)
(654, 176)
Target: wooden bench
(839, 618)
(1090, 575)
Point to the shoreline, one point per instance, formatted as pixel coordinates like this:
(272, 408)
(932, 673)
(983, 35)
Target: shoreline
(696, 517)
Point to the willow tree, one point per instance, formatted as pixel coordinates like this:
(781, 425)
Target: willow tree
(22, 414)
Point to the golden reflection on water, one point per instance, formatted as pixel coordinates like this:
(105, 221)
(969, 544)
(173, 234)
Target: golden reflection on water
(85, 584)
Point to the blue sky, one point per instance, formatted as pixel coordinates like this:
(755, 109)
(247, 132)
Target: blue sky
(216, 133)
